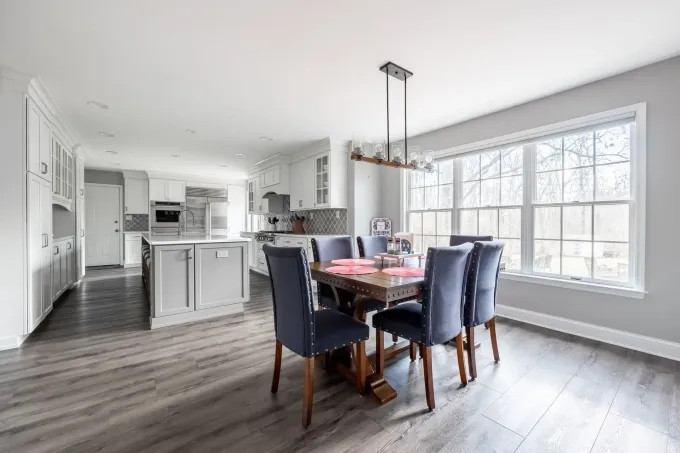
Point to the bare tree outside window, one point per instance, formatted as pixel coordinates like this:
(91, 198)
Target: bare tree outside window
(578, 205)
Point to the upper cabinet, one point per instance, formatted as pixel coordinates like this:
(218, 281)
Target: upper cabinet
(136, 196)
(167, 190)
(63, 168)
(80, 177)
(319, 177)
(38, 141)
(269, 176)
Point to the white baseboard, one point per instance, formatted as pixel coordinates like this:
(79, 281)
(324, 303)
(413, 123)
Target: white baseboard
(649, 345)
(11, 342)
(198, 315)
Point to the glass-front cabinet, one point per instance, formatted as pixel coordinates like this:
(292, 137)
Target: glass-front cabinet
(62, 175)
(321, 189)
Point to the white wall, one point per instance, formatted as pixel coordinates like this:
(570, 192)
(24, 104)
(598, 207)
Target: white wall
(12, 230)
(365, 197)
(658, 313)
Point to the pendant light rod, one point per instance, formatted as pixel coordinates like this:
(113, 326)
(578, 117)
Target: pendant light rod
(396, 71)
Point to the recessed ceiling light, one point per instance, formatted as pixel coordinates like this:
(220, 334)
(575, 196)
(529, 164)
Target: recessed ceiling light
(111, 152)
(224, 166)
(106, 134)
(97, 104)
(174, 155)
(239, 155)
(266, 139)
(189, 131)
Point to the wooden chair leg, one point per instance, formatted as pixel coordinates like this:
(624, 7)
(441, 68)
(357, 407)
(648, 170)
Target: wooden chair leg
(277, 367)
(379, 352)
(494, 343)
(429, 387)
(472, 360)
(308, 392)
(360, 366)
(422, 350)
(412, 350)
(461, 360)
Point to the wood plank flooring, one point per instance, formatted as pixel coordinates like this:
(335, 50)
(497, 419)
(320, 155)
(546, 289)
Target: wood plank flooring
(93, 378)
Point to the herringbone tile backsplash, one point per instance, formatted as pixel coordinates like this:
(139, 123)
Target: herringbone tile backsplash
(137, 222)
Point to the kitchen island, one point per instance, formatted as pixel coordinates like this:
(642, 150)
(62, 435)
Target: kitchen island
(191, 277)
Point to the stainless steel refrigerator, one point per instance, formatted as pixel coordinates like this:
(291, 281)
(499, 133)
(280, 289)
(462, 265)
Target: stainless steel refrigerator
(208, 208)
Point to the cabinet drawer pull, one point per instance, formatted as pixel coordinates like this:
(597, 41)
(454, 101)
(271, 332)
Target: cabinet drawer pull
(190, 254)
(43, 168)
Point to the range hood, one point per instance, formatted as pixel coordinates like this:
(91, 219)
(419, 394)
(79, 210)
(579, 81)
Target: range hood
(206, 192)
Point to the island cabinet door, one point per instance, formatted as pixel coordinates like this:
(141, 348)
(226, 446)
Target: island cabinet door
(221, 274)
(173, 279)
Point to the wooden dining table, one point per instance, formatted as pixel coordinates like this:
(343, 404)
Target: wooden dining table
(379, 286)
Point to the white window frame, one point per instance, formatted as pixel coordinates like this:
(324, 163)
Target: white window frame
(635, 288)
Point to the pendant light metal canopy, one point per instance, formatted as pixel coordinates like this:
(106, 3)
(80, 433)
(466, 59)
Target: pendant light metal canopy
(392, 70)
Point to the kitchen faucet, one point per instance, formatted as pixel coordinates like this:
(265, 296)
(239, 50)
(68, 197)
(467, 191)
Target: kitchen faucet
(179, 218)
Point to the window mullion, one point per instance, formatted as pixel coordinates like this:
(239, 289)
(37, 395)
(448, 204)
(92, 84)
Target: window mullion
(529, 185)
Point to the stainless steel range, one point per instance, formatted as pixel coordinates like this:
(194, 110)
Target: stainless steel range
(262, 238)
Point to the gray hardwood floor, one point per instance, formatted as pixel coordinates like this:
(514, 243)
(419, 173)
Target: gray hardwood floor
(94, 378)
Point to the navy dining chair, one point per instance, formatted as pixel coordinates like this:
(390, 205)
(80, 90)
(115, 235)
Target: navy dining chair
(333, 248)
(458, 239)
(370, 246)
(438, 319)
(480, 296)
(303, 330)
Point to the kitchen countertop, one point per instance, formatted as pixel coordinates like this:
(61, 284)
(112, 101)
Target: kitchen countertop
(162, 239)
(309, 235)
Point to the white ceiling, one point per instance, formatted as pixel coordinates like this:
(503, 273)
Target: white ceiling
(301, 70)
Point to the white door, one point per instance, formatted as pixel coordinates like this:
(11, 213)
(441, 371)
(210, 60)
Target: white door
(102, 224)
(236, 209)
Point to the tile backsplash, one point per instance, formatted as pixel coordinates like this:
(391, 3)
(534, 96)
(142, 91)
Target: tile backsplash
(317, 221)
(136, 222)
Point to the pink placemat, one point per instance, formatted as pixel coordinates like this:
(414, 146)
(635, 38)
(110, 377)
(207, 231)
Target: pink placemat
(386, 258)
(405, 271)
(351, 270)
(352, 262)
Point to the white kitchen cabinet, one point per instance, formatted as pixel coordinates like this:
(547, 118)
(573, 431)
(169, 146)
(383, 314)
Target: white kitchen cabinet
(157, 190)
(176, 191)
(236, 210)
(39, 221)
(167, 190)
(63, 167)
(80, 177)
(38, 141)
(136, 196)
(133, 249)
(80, 238)
(252, 190)
(270, 176)
(67, 265)
(296, 185)
(56, 271)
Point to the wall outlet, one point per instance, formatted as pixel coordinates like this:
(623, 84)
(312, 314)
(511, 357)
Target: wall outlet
(337, 214)
(311, 215)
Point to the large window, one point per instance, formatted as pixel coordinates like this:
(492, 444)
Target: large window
(563, 201)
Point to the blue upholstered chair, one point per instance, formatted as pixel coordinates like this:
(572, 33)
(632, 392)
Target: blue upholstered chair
(458, 239)
(480, 296)
(370, 246)
(333, 248)
(302, 329)
(438, 319)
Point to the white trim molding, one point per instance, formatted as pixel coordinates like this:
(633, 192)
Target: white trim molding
(12, 342)
(649, 345)
(577, 285)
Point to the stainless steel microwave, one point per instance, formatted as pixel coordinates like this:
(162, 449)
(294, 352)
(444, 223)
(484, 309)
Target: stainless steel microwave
(165, 214)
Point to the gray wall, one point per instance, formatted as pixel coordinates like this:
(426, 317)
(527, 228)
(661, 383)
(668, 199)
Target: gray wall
(104, 177)
(659, 85)
(63, 221)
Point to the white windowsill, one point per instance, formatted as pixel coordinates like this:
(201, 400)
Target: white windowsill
(581, 286)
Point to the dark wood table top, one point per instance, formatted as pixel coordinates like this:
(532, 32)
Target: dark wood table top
(379, 285)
